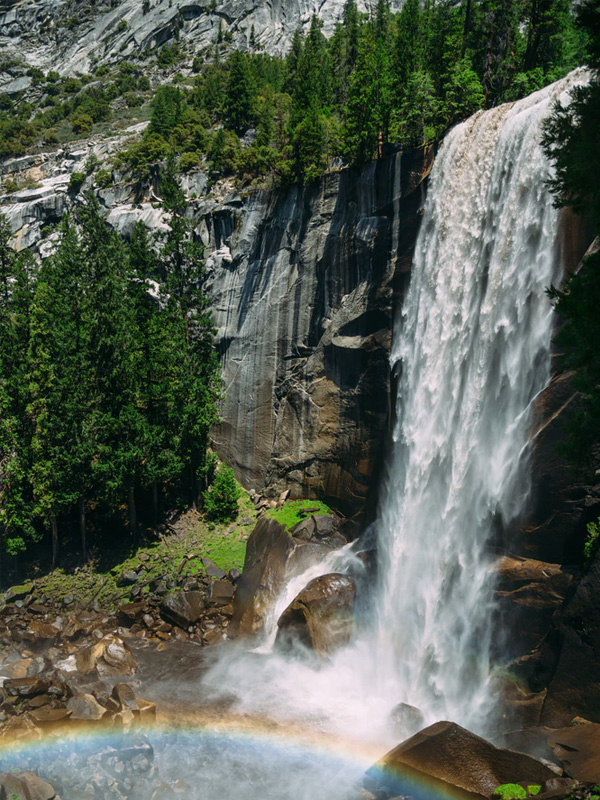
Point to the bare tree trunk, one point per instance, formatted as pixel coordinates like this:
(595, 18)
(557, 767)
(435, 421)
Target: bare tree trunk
(54, 532)
(132, 512)
(82, 528)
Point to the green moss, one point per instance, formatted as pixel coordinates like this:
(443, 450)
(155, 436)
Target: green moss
(291, 512)
(534, 789)
(172, 557)
(510, 791)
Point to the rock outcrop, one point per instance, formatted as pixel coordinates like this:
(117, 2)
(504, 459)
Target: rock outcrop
(105, 32)
(304, 304)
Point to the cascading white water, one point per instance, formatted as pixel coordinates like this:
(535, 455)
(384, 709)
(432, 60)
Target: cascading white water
(473, 343)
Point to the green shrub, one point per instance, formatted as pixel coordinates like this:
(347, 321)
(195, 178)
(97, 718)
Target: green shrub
(220, 500)
(82, 124)
(103, 178)
(510, 791)
(122, 26)
(189, 160)
(10, 187)
(534, 789)
(76, 181)
(143, 83)
(591, 542)
(133, 100)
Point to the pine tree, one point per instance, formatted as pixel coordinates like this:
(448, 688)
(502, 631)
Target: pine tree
(240, 98)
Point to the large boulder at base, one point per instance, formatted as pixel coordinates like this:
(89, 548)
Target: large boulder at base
(268, 550)
(578, 750)
(447, 758)
(24, 786)
(321, 616)
(182, 608)
(273, 556)
(110, 656)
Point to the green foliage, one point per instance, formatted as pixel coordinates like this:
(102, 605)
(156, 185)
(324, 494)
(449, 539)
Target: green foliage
(82, 124)
(290, 513)
(592, 540)
(76, 181)
(534, 789)
(221, 498)
(510, 791)
(572, 141)
(106, 391)
(104, 178)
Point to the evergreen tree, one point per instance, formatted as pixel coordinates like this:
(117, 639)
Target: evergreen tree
(240, 96)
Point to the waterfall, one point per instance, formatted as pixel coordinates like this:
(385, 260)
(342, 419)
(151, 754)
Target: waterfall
(473, 344)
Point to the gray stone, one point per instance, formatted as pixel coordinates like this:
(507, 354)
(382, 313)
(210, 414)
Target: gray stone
(182, 608)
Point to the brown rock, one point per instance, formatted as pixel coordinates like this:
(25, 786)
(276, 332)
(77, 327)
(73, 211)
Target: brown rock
(221, 592)
(110, 656)
(213, 637)
(124, 696)
(25, 687)
(47, 717)
(182, 608)
(24, 786)
(452, 758)
(85, 707)
(322, 614)
(578, 750)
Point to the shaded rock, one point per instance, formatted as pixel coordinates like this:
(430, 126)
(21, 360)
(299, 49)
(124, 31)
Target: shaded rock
(24, 786)
(127, 578)
(528, 592)
(578, 750)
(110, 656)
(212, 570)
(48, 717)
(325, 525)
(182, 608)
(569, 662)
(304, 530)
(25, 687)
(446, 756)
(124, 696)
(85, 707)
(321, 616)
(221, 592)
(18, 592)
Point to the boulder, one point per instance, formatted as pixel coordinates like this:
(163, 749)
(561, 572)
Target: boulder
(25, 687)
(321, 616)
(182, 608)
(24, 786)
(110, 656)
(127, 578)
(18, 592)
(578, 750)
(85, 707)
(448, 758)
(221, 592)
(267, 552)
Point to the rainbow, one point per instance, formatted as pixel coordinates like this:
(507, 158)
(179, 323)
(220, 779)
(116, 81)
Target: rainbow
(290, 752)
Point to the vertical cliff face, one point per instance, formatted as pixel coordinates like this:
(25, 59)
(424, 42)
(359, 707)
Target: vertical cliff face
(303, 286)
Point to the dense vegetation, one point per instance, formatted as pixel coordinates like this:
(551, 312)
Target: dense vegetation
(108, 376)
(382, 78)
(572, 140)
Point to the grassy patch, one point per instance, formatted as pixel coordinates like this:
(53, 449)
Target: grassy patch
(510, 791)
(172, 557)
(291, 512)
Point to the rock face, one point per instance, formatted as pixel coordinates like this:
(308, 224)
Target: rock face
(303, 305)
(33, 27)
(578, 750)
(322, 614)
(454, 758)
